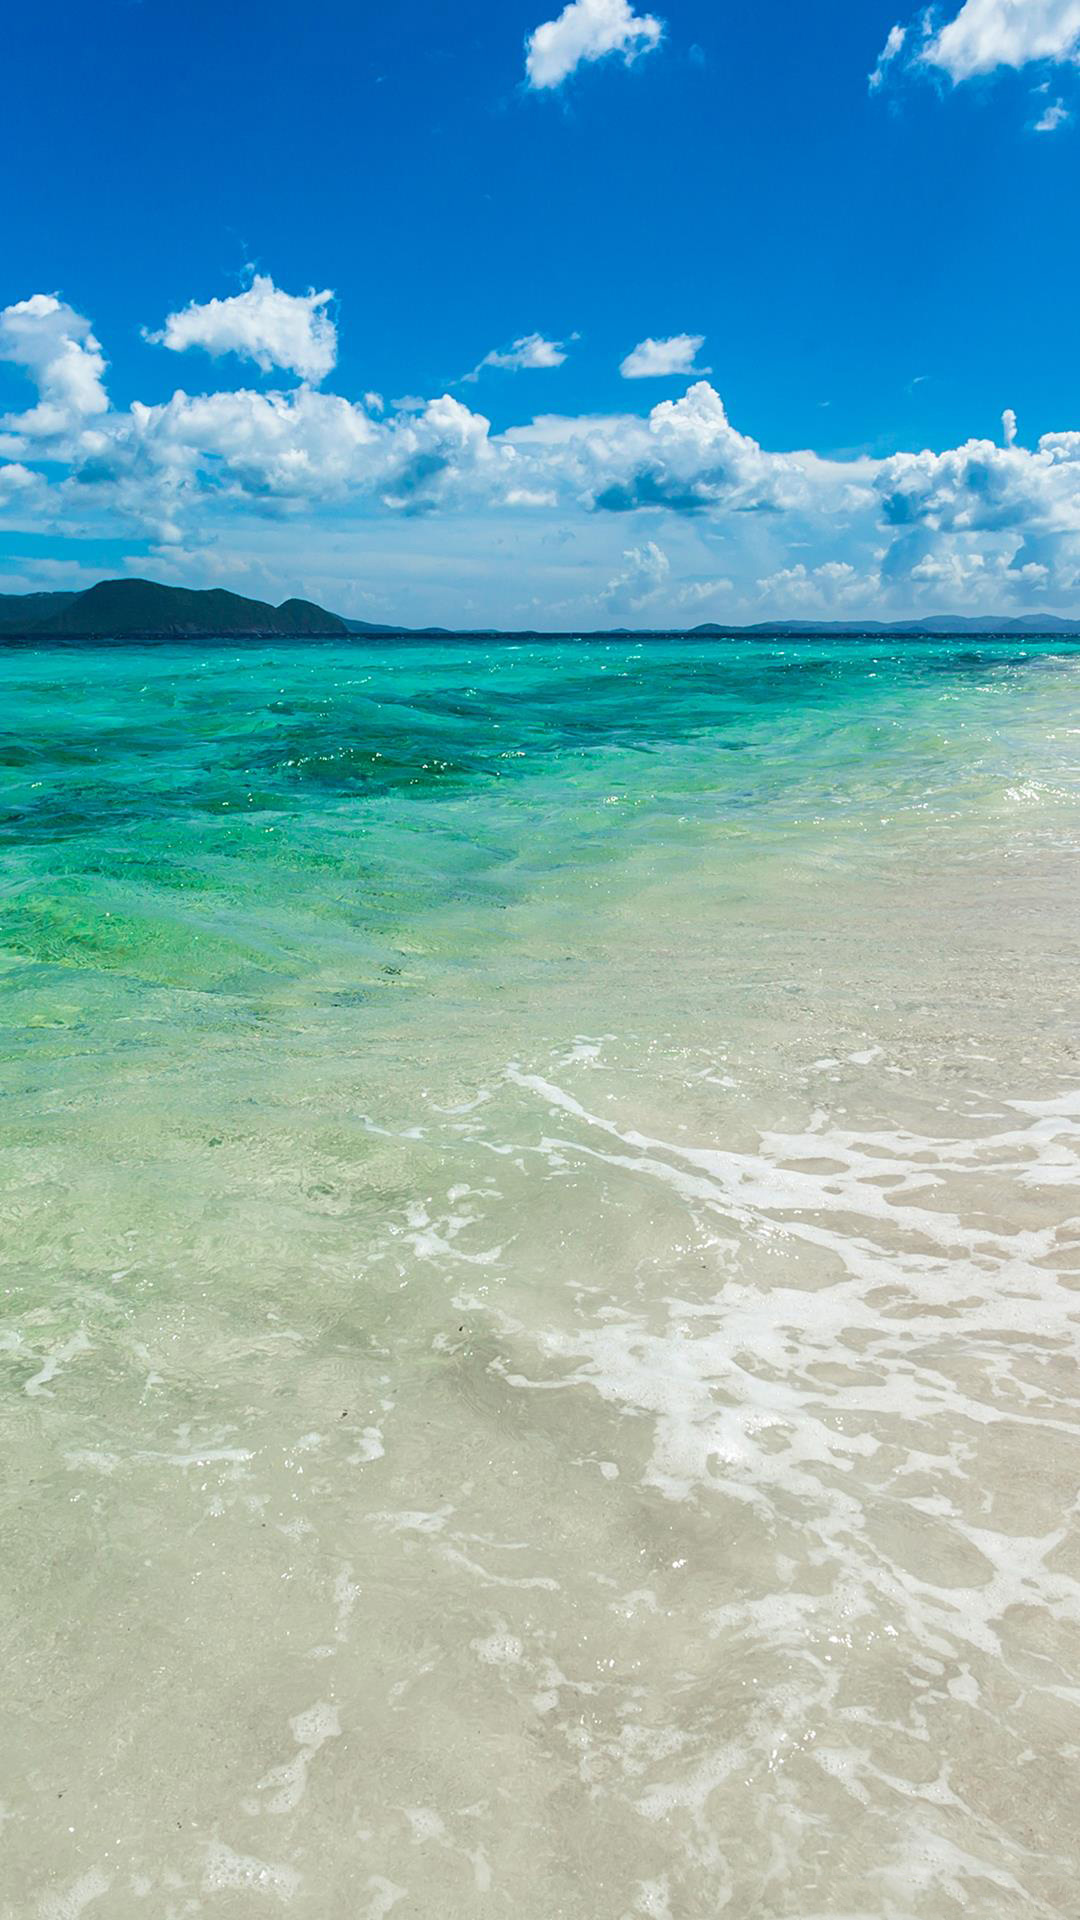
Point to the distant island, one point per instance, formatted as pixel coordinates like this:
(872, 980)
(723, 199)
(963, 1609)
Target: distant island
(135, 610)
(145, 610)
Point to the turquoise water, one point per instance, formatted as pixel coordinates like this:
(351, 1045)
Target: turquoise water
(539, 1278)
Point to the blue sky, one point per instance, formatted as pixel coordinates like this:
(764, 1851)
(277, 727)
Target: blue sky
(873, 271)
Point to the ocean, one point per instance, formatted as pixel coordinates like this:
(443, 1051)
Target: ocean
(540, 1280)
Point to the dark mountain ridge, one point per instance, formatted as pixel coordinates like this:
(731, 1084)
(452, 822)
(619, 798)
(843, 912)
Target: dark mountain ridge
(145, 610)
(16, 609)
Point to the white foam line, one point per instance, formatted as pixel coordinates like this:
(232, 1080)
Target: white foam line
(735, 1406)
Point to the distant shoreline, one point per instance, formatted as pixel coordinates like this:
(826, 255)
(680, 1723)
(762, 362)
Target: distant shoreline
(145, 612)
(406, 636)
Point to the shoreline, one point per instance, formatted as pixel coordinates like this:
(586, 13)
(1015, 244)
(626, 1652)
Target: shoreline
(517, 637)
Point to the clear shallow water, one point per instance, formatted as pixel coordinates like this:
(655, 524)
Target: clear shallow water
(540, 1281)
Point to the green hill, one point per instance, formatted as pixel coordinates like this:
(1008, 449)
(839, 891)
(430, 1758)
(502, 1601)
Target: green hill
(19, 609)
(141, 609)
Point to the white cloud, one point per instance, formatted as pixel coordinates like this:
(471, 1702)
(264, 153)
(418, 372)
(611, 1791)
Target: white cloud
(531, 351)
(16, 482)
(587, 30)
(642, 577)
(691, 594)
(55, 346)
(530, 497)
(274, 329)
(974, 579)
(986, 34)
(983, 36)
(955, 571)
(684, 457)
(893, 46)
(302, 448)
(834, 588)
(981, 487)
(652, 359)
(1008, 427)
(303, 444)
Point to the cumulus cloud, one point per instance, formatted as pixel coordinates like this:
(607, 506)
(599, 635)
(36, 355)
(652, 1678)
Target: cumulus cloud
(274, 329)
(642, 577)
(587, 30)
(55, 346)
(986, 34)
(531, 351)
(17, 483)
(302, 447)
(981, 487)
(834, 588)
(655, 359)
(1008, 427)
(1052, 117)
(965, 574)
(684, 456)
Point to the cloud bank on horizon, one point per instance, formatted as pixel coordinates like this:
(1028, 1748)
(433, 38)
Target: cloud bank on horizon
(202, 481)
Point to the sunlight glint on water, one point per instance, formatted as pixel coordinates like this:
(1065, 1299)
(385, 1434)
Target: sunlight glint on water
(540, 1281)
